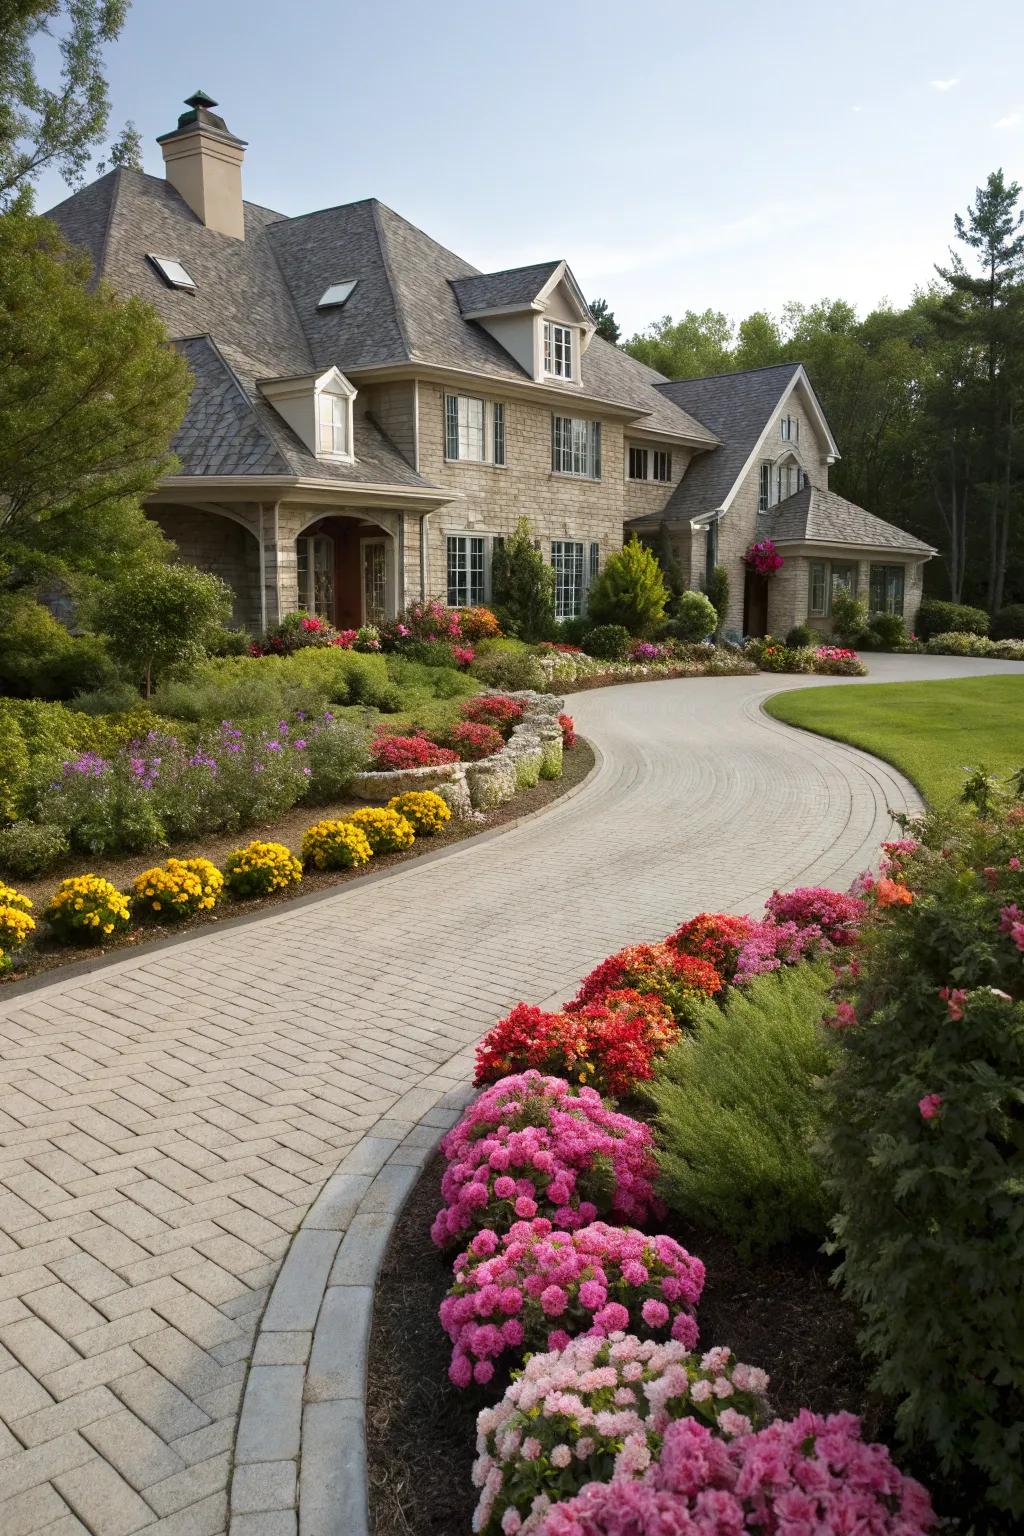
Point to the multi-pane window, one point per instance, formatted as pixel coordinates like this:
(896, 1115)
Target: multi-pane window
(465, 570)
(661, 464)
(315, 558)
(567, 559)
(595, 562)
(827, 578)
(789, 428)
(764, 493)
(638, 463)
(886, 589)
(375, 581)
(576, 447)
(332, 412)
(558, 350)
(787, 481)
(474, 430)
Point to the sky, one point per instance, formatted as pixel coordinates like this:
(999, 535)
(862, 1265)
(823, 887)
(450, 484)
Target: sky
(731, 156)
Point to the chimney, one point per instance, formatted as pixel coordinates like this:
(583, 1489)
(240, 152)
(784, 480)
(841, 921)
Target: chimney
(203, 162)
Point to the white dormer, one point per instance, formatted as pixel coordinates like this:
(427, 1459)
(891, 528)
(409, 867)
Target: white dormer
(538, 314)
(318, 408)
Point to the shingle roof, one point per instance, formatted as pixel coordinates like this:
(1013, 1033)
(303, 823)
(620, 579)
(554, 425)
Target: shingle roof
(737, 407)
(496, 290)
(259, 296)
(812, 515)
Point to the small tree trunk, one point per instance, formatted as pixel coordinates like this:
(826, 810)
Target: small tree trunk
(149, 679)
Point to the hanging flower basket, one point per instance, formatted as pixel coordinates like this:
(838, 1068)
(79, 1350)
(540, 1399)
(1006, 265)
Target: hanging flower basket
(764, 558)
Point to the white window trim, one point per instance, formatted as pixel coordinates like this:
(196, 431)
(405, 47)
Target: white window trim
(584, 560)
(829, 565)
(490, 543)
(389, 575)
(594, 453)
(488, 460)
(336, 455)
(548, 329)
(651, 450)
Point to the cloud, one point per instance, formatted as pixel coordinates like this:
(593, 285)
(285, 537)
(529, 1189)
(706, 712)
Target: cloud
(1012, 119)
(944, 85)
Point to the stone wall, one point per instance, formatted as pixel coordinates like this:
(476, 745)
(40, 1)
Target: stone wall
(222, 546)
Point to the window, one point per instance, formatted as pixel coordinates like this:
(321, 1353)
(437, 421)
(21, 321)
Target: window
(764, 493)
(886, 589)
(576, 447)
(315, 556)
(787, 481)
(638, 463)
(332, 415)
(567, 559)
(172, 272)
(827, 578)
(789, 427)
(465, 570)
(558, 353)
(375, 581)
(595, 563)
(335, 296)
(474, 430)
(661, 465)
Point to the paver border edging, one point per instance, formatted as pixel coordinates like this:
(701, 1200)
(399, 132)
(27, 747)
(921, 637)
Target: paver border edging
(300, 1460)
(308, 898)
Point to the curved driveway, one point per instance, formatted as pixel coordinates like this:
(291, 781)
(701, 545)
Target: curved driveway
(167, 1121)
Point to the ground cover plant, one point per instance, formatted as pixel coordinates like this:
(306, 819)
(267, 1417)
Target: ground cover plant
(930, 731)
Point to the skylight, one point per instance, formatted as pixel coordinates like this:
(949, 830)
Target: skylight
(172, 272)
(335, 296)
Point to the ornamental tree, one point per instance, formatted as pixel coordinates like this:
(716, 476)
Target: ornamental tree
(160, 616)
(630, 590)
(523, 586)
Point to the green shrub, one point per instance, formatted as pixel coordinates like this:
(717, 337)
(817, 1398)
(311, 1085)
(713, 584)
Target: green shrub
(158, 617)
(523, 586)
(14, 765)
(695, 618)
(607, 642)
(114, 699)
(509, 671)
(28, 849)
(799, 636)
(571, 631)
(39, 658)
(939, 618)
(273, 687)
(887, 631)
(334, 756)
(504, 645)
(717, 592)
(738, 1107)
(1008, 623)
(630, 591)
(849, 619)
(925, 1154)
(222, 641)
(108, 811)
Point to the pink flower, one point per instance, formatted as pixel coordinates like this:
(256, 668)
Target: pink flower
(612, 1317)
(505, 1188)
(930, 1105)
(554, 1300)
(526, 1207)
(655, 1313)
(954, 999)
(1011, 921)
(844, 1017)
(592, 1295)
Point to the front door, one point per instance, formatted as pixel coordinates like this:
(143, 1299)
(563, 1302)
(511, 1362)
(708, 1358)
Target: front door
(755, 604)
(375, 581)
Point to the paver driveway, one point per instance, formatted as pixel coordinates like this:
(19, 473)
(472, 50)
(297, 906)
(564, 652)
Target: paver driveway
(166, 1122)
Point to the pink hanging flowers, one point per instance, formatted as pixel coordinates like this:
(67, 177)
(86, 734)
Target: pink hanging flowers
(764, 558)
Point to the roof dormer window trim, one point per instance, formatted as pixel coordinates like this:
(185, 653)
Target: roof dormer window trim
(561, 344)
(301, 402)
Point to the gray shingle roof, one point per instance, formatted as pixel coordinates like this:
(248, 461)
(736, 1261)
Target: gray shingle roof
(737, 407)
(496, 290)
(812, 515)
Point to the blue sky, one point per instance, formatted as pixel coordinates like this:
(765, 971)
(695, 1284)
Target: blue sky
(731, 155)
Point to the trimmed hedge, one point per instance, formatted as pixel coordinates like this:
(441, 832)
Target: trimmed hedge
(940, 618)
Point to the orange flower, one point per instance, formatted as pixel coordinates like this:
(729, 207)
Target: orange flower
(891, 893)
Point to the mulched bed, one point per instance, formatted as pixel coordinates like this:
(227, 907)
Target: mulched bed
(46, 955)
(778, 1312)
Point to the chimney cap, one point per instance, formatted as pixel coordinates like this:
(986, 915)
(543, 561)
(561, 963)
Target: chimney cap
(200, 116)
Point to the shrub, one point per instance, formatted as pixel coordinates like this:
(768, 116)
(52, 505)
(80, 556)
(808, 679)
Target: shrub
(630, 590)
(849, 618)
(608, 642)
(222, 641)
(887, 631)
(836, 915)
(551, 757)
(299, 631)
(608, 1045)
(335, 754)
(938, 618)
(717, 592)
(527, 768)
(112, 699)
(523, 586)
(14, 765)
(103, 806)
(799, 636)
(614, 1400)
(819, 1467)
(336, 845)
(426, 812)
(678, 980)
(472, 740)
(41, 659)
(737, 1110)
(28, 849)
(535, 1288)
(837, 661)
(924, 1149)
(87, 908)
(770, 656)
(715, 937)
(695, 618)
(592, 1161)
(16, 922)
(494, 709)
(179, 888)
(158, 616)
(388, 753)
(478, 623)
(259, 869)
(518, 671)
(1008, 623)
(386, 831)
(569, 737)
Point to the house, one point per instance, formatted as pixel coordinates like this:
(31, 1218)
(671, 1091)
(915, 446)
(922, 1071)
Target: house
(371, 414)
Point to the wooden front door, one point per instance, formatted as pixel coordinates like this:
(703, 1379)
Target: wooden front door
(755, 604)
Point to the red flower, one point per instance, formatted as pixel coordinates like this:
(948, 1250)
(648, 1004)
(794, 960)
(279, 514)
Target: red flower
(568, 725)
(679, 980)
(471, 740)
(396, 752)
(716, 937)
(494, 709)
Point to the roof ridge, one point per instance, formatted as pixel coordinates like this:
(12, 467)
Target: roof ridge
(731, 373)
(389, 274)
(446, 249)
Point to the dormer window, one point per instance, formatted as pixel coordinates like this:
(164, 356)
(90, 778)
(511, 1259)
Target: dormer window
(318, 409)
(789, 428)
(559, 350)
(332, 414)
(172, 272)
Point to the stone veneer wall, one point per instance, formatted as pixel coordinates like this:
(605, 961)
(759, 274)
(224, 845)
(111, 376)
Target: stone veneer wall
(222, 546)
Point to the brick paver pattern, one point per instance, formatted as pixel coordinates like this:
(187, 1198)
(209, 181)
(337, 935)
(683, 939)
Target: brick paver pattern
(166, 1122)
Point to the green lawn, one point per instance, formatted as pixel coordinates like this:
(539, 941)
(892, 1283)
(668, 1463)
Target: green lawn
(931, 731)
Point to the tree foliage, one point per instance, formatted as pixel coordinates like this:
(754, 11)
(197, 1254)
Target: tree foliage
(523, 586)
(607, 325)
(39, 126)
(157, 617)
(629, 591)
